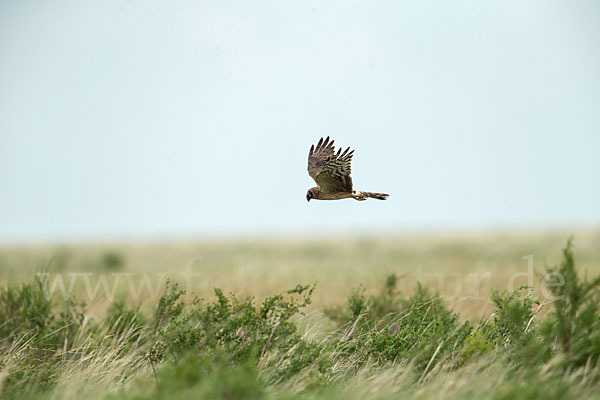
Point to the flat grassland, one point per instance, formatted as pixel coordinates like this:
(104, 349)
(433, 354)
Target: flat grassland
(463, 268)
(124, 345)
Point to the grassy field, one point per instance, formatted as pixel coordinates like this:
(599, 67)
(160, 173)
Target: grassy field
(366, 330)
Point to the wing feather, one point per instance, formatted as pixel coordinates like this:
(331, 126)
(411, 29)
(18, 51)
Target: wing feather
(330, 170)
(318, 156)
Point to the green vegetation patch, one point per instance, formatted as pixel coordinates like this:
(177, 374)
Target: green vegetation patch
(384, 345)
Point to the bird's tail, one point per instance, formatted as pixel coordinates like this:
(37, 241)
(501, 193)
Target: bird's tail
(365, 195)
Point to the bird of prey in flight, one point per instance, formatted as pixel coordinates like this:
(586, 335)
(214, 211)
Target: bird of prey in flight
(331, 172)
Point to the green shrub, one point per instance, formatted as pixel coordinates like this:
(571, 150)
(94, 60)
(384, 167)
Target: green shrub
(32, 330)
(25, 313)
(370, 310)
(112, 261)
(237, 327)
(574, 323)
(513, 317)
(388, 329)
(23, 310)
(424, 332)
(474, 345)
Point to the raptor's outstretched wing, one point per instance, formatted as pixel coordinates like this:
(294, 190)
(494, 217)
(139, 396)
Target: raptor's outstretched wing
(319, 156)
(330, 171)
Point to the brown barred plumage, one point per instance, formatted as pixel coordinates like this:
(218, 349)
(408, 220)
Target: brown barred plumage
(331, 172)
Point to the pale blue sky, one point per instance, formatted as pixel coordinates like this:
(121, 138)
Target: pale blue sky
(144, 118)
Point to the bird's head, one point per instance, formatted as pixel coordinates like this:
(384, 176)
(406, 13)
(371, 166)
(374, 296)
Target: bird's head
(313, 193)
(309, 195)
